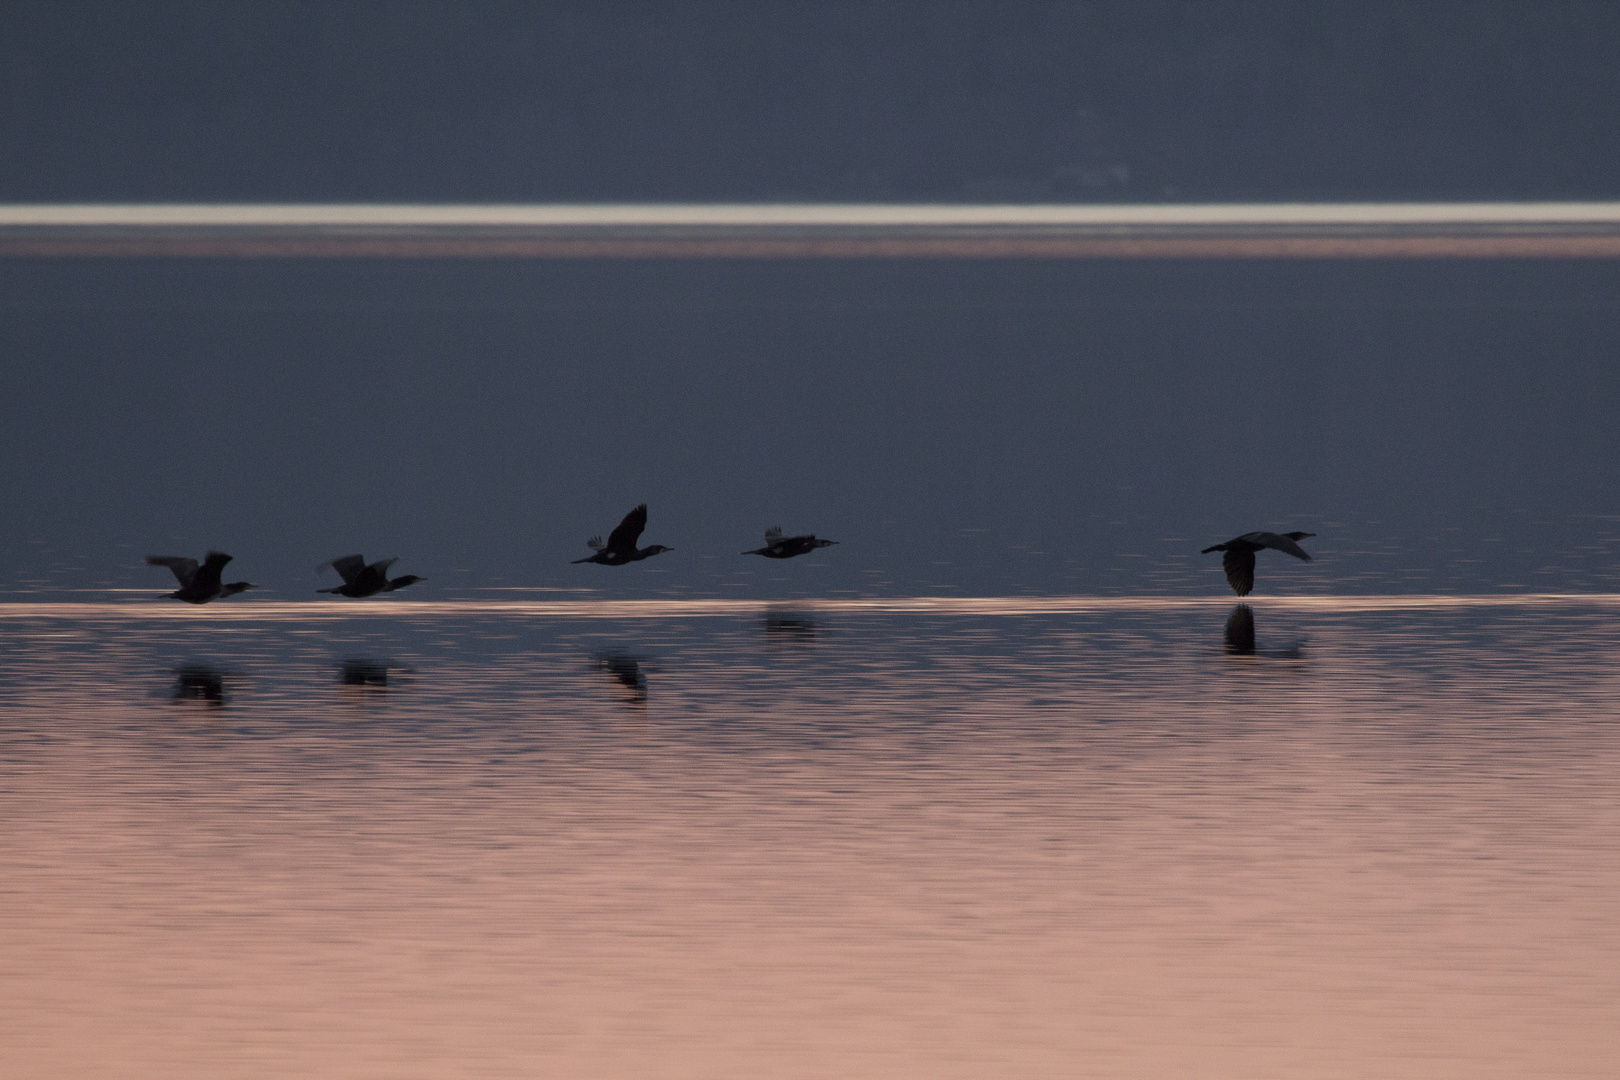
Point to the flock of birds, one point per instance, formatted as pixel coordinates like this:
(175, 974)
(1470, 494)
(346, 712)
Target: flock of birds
(201, 582)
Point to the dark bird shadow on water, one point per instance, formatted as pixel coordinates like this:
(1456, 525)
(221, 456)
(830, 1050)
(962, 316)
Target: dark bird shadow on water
(790, 628)
(626, 671)
(1240, 640)
(199, 682)
(364, 674)
(1240, 631)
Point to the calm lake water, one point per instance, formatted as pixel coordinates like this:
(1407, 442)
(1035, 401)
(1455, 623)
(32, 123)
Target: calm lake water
(1314, 837)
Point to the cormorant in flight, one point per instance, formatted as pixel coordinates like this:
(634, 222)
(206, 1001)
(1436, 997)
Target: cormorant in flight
(778, 546)
(199, 584)
(1239, 559)
(362, 580)
(621, 542)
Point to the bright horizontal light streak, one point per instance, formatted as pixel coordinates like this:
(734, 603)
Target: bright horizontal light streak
(808, 215)
(311, 610)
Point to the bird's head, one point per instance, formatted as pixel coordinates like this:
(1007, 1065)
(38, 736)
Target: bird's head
(824, 543)
(401, 582)
(1297, 536)
(236, 587)
(656, 549)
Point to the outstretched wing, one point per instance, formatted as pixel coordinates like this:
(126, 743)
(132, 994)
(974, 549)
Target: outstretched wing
(595, 543)
(348, 566)
(381, 566)
(629, 531)
(184, 569)
(773, 535)
(1283, 543)
(213, 565)
(1239, 567)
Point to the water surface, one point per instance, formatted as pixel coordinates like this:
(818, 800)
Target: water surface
(935, 838)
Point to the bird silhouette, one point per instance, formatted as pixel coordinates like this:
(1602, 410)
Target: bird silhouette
(199, 584)
(1239, 559)
(778, 546)
(621, 542)
(362, 580)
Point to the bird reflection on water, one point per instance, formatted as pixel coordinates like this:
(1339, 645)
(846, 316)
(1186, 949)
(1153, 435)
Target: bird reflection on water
(626, 670)
(1240, 631)
(198, 682)
(789, 626)
(367, 674)
(1240, 637)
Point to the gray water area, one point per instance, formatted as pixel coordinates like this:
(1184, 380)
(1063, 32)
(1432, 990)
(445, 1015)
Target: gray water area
(1309, 836)
(961, 427)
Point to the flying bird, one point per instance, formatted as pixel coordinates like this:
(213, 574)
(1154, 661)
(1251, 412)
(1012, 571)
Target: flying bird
(199, 584)
(1239, 559)
(362, 580)
(778, 546)
(621, 542)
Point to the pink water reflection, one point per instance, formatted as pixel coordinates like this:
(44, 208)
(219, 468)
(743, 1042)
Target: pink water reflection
(1088, 846)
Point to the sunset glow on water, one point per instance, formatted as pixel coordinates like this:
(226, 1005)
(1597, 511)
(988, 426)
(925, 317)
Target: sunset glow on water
(1015, 837)
(703, 541)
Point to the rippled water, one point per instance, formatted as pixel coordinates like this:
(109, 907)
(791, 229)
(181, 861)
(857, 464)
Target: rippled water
(935, 839)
